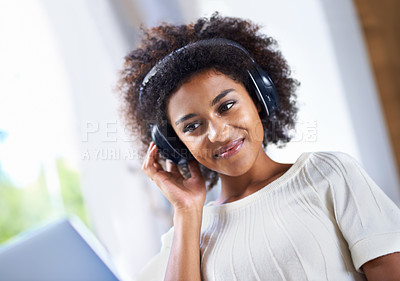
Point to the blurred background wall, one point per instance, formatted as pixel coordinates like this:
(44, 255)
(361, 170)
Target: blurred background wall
(61, 131)
(380, 23)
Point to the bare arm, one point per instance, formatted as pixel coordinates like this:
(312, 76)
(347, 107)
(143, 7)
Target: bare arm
(184, 259)
(385, 268)
(187, 196)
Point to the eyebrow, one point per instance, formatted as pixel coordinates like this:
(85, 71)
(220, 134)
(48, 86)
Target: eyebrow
(220, 96)
(214, 101)
(184, 118)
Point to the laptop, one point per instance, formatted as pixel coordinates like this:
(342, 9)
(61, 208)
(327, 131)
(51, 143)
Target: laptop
(63, 250)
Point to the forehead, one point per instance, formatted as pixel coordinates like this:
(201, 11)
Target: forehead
(200, 89)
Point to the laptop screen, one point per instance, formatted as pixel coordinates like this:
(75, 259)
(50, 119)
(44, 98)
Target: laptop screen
(55, 252)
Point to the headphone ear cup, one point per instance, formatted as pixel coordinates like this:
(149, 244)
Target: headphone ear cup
(169, 144)
(265, 90)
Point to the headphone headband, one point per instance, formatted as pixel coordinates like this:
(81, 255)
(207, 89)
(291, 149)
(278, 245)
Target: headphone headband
(203, 43)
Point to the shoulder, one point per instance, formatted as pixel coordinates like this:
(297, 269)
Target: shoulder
(337, 162)
(331, 157)
(335, 171)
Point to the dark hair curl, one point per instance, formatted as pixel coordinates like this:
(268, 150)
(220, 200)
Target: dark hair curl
(162, 40)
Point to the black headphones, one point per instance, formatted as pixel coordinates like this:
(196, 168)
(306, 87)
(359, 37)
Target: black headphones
(165, 138)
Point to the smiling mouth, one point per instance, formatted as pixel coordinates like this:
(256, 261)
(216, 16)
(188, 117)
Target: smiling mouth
(231, 149)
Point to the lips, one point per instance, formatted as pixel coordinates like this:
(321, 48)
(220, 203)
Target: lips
(230, 149)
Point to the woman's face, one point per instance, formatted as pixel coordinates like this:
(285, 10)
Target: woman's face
(217, 120)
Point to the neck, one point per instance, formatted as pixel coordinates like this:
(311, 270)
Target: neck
(264, 171)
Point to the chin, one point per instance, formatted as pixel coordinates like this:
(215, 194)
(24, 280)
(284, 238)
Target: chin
(233, 168)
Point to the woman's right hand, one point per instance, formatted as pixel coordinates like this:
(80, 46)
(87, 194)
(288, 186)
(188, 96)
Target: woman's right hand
(184, 194)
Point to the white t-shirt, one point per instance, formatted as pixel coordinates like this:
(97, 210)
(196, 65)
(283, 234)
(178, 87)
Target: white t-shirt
(321, 220)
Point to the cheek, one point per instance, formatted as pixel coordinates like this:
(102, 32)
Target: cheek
(259, 131)
(201, 152)
(253, 124)
(194, 144)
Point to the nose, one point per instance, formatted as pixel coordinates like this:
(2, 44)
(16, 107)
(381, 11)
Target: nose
(218, 131)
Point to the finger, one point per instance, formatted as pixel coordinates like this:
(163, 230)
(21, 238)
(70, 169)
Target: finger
(172, 168)
(194, 169)
(146, 157)
(151, 165)
(154, 158)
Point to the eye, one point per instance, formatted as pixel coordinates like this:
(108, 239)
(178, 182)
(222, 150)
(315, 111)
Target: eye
(226, 106)
(191, 127)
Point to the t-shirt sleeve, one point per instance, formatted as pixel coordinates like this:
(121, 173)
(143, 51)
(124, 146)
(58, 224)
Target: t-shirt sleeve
(156, 267)
(367, 218)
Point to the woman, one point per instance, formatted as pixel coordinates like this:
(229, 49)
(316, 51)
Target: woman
(225, 92)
